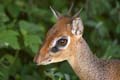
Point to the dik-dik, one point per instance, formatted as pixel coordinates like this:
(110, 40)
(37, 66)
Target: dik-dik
(64, 41)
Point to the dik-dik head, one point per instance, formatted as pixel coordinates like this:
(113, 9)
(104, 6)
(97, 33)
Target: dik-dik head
(60, 41)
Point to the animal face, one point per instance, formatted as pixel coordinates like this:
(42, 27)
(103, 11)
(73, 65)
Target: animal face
(60, 40)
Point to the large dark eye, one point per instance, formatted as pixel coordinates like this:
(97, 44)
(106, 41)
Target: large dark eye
(62, 42)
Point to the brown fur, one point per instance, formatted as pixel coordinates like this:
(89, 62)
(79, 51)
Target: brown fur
(86, 65)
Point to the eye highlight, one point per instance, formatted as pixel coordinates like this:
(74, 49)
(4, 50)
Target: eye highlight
(62, 42)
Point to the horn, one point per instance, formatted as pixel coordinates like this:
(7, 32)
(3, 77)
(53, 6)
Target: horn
(70, 9)
(56, 13)
(77, 14)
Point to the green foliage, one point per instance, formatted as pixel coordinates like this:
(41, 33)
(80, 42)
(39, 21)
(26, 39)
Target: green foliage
(24, 23)
(9, 38)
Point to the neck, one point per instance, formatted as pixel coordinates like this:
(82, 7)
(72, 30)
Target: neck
(84, 63)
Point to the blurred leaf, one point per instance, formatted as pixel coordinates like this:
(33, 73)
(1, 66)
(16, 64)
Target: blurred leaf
(54, 75)
(102, 30)
(118, 29)
(5, 2)
(112, 50)
(3, 72)
(38, 11)
(3, 17)
(90, 23)
(32, 41)
(95, 7)
(9, 38)
(114, 13)
(5, 62)
(57, 3)
(14, 10)
(29, 28)
(2, 27)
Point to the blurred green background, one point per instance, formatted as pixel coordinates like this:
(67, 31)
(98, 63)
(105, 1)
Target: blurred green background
(24, 23)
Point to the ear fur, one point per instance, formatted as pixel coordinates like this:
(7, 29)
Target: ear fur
(77, 27)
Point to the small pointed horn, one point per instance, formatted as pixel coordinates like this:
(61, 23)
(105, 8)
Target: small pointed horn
(77, 14)
(56, 13)
(70, 9)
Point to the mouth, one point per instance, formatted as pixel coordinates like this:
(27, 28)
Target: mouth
(42, 62)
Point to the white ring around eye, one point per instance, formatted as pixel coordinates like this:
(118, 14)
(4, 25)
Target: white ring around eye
(53, 42)
(64, 47)
(68, 38)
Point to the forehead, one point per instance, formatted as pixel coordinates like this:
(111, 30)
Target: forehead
(60, 28)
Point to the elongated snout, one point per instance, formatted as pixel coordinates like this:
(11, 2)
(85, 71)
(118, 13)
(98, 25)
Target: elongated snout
(36, 59)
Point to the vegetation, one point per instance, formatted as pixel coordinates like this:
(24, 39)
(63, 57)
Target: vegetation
(24, 23)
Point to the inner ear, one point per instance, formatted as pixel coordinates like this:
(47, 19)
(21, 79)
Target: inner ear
(77, 27)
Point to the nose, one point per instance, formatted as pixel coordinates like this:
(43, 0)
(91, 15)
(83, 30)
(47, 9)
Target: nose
(36, 59)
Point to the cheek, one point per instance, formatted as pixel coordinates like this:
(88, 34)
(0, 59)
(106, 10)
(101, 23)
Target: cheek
(70, 49)
(65, 53)
(61, 56)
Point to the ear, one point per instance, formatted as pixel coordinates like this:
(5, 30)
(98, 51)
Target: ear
(77, 27)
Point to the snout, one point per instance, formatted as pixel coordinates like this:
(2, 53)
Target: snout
(36, 60)
(42, 60)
